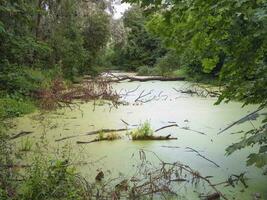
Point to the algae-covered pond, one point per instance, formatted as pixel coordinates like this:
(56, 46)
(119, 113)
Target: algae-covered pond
(162, 106)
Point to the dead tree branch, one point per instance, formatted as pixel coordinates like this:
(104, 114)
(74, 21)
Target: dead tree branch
(242, 119)
(197, 152)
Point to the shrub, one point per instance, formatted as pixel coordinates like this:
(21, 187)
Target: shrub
(143, 131)
(10, 107)
(147, 71)
(167, 64)
(54, 179)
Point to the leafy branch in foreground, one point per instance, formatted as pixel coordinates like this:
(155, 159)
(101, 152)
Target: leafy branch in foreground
(257, 136)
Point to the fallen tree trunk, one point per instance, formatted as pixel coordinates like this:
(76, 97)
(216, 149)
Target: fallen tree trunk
(144, 79)
(92, 133)
(152, 137)
(156, 79)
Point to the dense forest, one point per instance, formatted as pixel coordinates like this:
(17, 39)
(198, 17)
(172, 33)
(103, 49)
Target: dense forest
(47, 47)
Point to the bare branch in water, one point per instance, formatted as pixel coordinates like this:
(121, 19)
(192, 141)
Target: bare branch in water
(193, 150)
(238, 121)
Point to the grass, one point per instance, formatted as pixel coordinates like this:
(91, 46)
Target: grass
(112, 136)
(26, 144)
(142, 132)
(101, 135)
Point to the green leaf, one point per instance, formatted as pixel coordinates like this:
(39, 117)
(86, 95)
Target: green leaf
(260, 160)
(263, 149)
(209, 64)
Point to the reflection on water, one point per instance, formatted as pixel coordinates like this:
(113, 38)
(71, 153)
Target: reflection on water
(163, 106)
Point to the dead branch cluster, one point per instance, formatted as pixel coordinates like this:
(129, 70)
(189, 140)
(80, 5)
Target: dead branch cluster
(61, 95)
(161, 180)
(199, 90)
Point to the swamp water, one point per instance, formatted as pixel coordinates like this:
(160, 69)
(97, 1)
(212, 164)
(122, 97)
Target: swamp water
(167, 106)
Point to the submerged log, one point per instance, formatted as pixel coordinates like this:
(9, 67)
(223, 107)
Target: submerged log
(152, 137)
(21, 134)
(92, 133)
(106, 131)
(95, 140)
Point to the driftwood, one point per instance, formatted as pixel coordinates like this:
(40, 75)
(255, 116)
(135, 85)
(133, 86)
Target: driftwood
(92, 133)
(152, 137)
(197, 152)
(21, 134)
(242, 119)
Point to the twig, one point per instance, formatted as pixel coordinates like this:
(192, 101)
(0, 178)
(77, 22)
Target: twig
(125, 122)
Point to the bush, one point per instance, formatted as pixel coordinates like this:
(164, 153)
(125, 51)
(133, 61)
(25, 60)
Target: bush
(143, 131)
(167, 64)
(25, 80)
(54, 179)
(10, 107)
(147, 71)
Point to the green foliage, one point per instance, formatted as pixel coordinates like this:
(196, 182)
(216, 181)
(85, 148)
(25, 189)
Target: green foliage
(141, 48)
(143, 131)
(168, 63)
(101, 135)
(96, 32)
(251, 138)
(44, 35)
(54, 179)
(26, 144)
(113, 136)
(10, 107)
(147, 71)
(5, 159)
